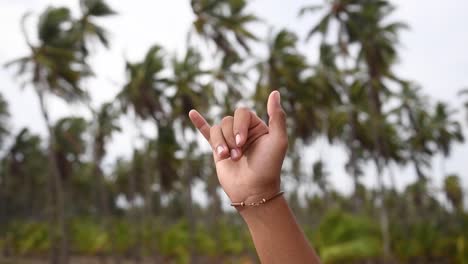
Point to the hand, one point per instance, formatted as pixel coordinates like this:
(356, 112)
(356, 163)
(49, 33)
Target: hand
(248, 154)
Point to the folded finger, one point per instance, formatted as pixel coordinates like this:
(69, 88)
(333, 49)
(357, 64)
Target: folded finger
(226, 126)
(244, 121)
(218, 144)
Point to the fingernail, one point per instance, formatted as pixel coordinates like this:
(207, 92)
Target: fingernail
(238, 139)
(278, 98)
(234, 153)
(219, 149)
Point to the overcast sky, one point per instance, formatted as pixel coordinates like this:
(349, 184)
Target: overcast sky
(433, 53)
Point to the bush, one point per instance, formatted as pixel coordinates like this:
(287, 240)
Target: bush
(29, 238)
(88, 237)
(344, 237)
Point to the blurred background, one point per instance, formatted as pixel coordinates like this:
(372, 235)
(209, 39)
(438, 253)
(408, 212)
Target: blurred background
(100, 164)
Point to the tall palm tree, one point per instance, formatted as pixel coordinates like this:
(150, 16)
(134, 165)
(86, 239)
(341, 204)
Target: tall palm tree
(365, 23)
(190, 92)
(53, 67)
(145, 93)
(226, 25)
(105, 125)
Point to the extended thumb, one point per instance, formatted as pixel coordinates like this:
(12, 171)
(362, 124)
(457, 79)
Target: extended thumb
(277, 122)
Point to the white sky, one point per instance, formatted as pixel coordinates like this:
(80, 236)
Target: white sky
(433, 53)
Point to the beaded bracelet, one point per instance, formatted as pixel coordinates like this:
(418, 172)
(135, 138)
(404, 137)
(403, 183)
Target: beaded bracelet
(264, 200)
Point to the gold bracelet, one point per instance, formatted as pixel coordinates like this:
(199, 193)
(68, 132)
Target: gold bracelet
(264, 200)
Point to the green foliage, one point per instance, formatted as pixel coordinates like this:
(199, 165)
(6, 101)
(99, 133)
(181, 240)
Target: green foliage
(28, 238)
(123, 235)
(453, 191)
(175, 242)
(231, 239)
(344, 237)
(88, 237)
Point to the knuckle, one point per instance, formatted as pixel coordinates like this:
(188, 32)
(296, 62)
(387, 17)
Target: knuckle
(214, 128)
(226, 119)
(283, 143)
(241, 110)
(281, 114)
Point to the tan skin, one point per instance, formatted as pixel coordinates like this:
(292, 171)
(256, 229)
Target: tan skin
(249, 155)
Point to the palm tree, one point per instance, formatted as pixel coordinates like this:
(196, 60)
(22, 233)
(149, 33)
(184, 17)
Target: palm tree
(190, 91)
(53, 67)
(143, 93)
(413, 116)
(86, 30)
(218, 20)
(284, 70)
(445, 130)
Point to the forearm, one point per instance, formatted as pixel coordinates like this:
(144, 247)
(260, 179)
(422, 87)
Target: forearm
(276, 234)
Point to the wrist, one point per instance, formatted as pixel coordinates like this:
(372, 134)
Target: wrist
(265, 212)
(257, 199)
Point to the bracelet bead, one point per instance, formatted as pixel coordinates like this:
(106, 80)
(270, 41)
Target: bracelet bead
(263, 201)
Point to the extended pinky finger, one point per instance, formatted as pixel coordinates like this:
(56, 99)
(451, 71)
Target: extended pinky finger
(200, 123)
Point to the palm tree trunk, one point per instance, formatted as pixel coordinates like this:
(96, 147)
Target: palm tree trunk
(148, 206)
(148, 203)
(102, 196)
(59, 240)
(354, 158)
(103, 212)
(134, 219)
(380, 146)
(189, 211)
(352, 121)
(383, 216)
(414, 124)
